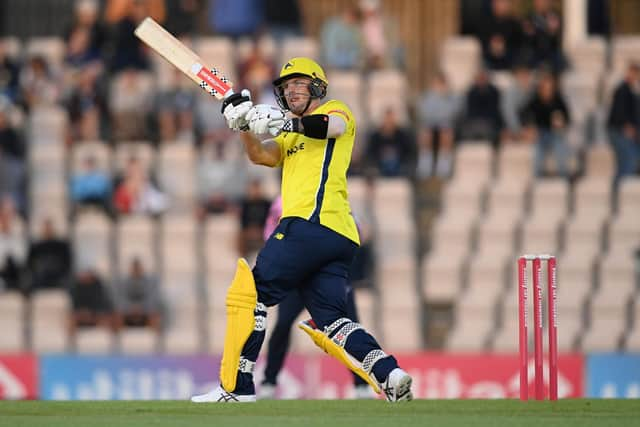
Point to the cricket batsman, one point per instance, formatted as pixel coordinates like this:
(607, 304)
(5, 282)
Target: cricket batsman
(312, 248)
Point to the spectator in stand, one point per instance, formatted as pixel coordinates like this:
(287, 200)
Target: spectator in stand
(131, 101)
(86, 106)
(380, 36)
(91, 302)
(138, 299)
(341, 41)
(256, 73)
(182, 17)
(137, 194)
(129, 95)
(254, 209)
(501, 36)
(49, 260)
(548, 118)
(12, 246)
(86, 36)
(13, 166)
(125, 15)
(91, 186)
(438, 109)
(210, 126)
(543, 37)
(221, 177)
(623, 123)
(391, 147)
(236, 18)
(515, 98)
(482, 118)
(39, 84)
(9, 74)
(175, 107)
(282, 18)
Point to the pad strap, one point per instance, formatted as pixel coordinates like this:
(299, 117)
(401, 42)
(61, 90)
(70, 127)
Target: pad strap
(246, 366)
(371, 359)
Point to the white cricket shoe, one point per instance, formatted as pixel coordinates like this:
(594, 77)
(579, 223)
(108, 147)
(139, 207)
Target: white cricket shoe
(397, 386)
(219, 394)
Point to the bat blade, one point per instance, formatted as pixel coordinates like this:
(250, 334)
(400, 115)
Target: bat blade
(173, 50)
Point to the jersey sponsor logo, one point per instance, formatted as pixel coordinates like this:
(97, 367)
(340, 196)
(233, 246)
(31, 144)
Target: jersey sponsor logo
(293, 150)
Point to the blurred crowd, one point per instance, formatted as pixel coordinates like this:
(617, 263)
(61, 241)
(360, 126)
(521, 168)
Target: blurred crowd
(108, 86)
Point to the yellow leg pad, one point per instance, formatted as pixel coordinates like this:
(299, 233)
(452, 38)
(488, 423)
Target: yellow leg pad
(333, 349)
(241, 302)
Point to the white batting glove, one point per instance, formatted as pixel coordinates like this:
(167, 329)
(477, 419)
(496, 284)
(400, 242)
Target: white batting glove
(235, 109)
(264, 119)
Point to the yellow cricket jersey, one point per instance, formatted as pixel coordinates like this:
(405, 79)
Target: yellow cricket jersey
(314, 174)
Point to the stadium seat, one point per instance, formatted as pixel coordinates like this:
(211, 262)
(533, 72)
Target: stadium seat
(94, 341)
(624, 49)
(400, 326)
(377, 101)
(367, 308)
(588, 55)
(216, 325)
(629, 196)
(581, 93)
(12, 306)
(605, 331)
(442, 273)
(485, 283)
(497, 232)
(98, 150)
(617, 282)
(141, 150)
(49, 314)
(138, 341)
(396, 276)
(47, 124)
(176, 175)
(298, 46)
(575, 279)
(221, 254)
(570, 329)
(474, 159)
(183, 334)
(460, 58)
(92, 240)
(52, 48)
(12, 47)
(515, 162)
(600, 161)
(633, 339)
(471, 330)
(550, 200)
(136, 237)
(464, 194)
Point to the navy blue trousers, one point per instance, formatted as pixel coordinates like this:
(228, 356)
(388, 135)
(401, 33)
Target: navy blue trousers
(314, 261)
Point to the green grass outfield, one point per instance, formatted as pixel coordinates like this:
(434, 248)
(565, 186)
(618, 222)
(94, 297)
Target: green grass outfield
(334, 413)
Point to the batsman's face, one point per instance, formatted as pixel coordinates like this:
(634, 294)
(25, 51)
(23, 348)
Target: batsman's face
(296, 92)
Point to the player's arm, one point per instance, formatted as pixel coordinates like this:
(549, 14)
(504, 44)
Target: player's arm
(266, 152)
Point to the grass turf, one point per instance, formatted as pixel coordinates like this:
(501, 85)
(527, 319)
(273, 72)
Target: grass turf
(334, 413)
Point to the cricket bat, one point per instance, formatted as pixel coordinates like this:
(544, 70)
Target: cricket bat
(173, 50)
